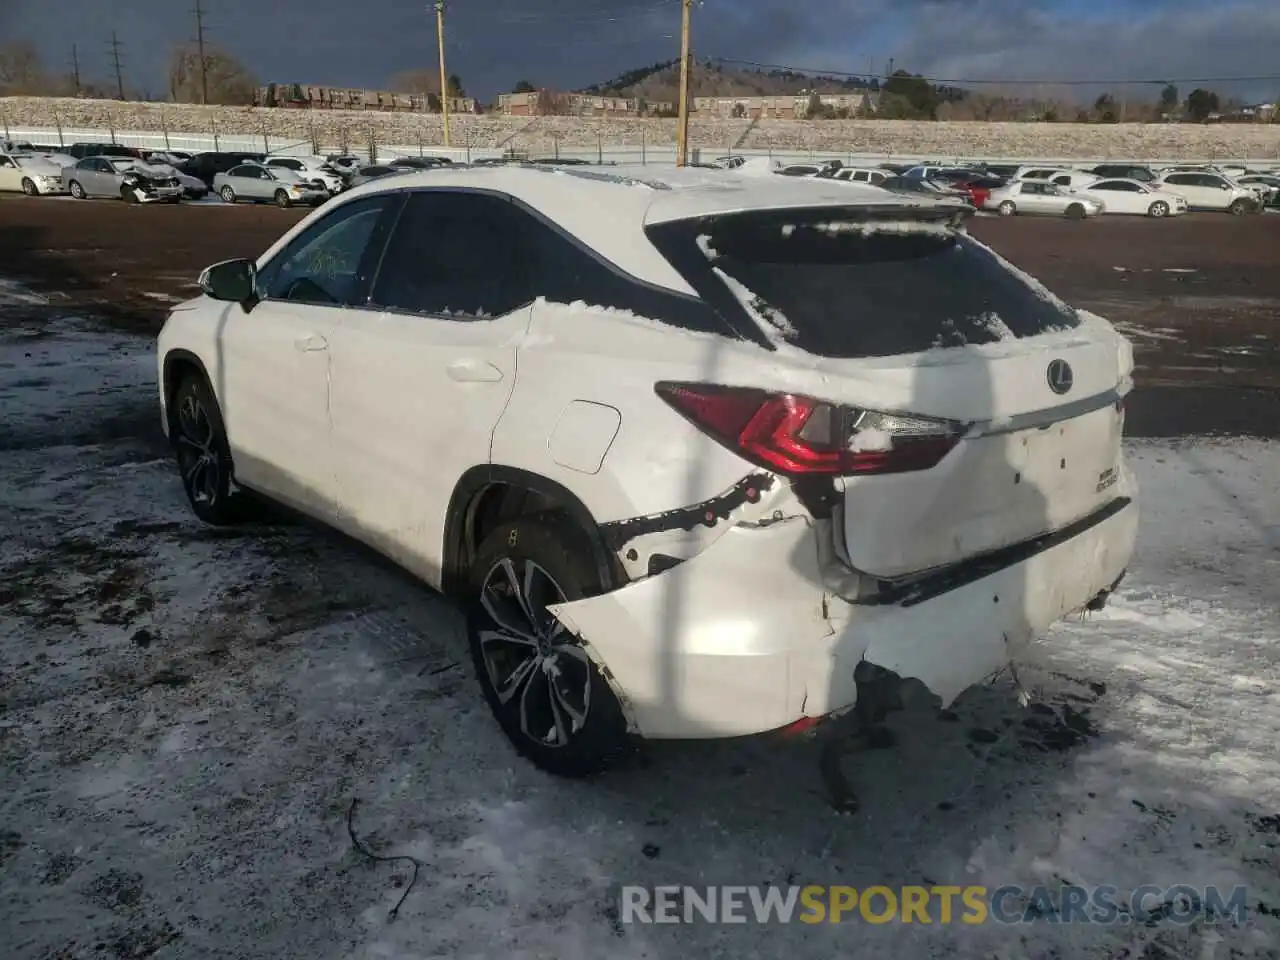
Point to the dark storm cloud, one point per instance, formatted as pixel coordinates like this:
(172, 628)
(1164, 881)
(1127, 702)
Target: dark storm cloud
(494, 43)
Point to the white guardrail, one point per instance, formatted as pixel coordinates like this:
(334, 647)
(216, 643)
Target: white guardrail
(604, 153)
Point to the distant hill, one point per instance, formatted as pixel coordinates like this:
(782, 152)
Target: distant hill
(661, 82)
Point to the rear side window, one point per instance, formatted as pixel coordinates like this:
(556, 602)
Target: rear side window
(836, 284)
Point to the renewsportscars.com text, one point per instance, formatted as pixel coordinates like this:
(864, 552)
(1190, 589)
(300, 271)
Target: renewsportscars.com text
(939, 904)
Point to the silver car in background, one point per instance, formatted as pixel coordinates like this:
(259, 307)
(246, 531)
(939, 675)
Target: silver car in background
(119, 177)
(1042, 198)
(258, 184)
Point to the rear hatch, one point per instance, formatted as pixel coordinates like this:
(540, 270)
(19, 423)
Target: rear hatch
(956, 406)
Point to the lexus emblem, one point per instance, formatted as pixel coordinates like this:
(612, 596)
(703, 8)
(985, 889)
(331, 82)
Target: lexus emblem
(1060, 376)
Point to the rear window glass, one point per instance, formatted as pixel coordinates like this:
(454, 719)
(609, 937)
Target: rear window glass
(856, 288)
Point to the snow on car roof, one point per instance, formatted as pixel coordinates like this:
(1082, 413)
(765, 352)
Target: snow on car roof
(606, 207)
(644, 193)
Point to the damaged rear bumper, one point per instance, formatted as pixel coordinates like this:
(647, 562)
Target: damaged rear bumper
(747, 637)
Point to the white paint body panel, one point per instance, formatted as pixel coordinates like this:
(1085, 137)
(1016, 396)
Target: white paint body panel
(368, 419)
(414, 403)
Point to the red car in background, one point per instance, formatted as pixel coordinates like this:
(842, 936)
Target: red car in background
(978, 189)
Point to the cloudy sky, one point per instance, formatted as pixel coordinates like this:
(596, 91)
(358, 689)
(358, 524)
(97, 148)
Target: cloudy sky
(493, 44)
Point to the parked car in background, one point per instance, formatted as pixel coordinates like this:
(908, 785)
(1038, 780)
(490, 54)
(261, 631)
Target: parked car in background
(921, 188)
(1040, 198)
(374, 171)
(30, 173)
(874, 177)
(193, 188)
(120, 177)
(1073, 179)
(172, 157)
(1210, 191)
(979, 188)
(1037, 173)
(1132, 197)
(310, 168)
(256, 183)
(642, 541)
(1266, 185)
(1123, 171)
(87, 149)
(431, 163)
(345, 163)
(205, 166)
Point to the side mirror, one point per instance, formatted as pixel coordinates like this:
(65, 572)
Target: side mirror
(1223, 186)
(234, 281)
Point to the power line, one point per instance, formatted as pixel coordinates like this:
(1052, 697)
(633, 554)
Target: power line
(204, 62)
(115, 57)
(811, 71)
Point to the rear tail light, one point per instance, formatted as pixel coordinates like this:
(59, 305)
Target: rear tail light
(797, 435)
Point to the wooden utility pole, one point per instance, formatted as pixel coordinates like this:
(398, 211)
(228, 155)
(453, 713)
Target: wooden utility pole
(444, 77)
(115, 57)
(682, 125)
(204, 63)
(75, 68)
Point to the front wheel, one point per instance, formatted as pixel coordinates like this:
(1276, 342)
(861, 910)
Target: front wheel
(128, 194)
(228, 195)
(1159, 209)
(1075, 212)
(546, 693)
(282, 199)
(1007, 209)
(29, 187)
(1239, 207)
(77, 191)
(199, 441)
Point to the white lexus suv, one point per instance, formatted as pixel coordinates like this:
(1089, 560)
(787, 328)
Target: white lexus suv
(691, 448)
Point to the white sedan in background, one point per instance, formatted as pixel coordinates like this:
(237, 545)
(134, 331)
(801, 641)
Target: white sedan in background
(1041, 198)
(30, 173)
(647, 542)
(1121, 195)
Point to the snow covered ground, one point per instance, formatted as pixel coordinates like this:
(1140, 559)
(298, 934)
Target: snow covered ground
(187, 715)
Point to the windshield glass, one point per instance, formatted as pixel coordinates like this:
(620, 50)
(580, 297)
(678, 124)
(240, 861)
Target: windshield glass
(122, 164)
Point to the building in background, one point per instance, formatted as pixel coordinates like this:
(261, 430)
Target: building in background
(305, 96)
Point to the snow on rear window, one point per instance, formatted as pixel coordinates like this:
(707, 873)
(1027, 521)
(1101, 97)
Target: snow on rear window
(858, 288)
(770, 319)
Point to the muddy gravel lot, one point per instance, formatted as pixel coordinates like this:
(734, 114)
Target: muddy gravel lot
(203, 731)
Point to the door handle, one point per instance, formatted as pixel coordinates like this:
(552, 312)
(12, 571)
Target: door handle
(473, 371)
(311, 343)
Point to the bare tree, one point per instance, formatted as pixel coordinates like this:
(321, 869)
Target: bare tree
(424, 81)
(21, 71)
(229, 81)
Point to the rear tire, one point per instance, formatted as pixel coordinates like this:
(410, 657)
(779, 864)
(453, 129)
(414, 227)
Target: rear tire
(1007, 209)
(1075, 212)
(549, 697)
(282, 200)
(77, 191)
(1158, 209)
(228, 195)
(29, 187)
(1239, 207)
